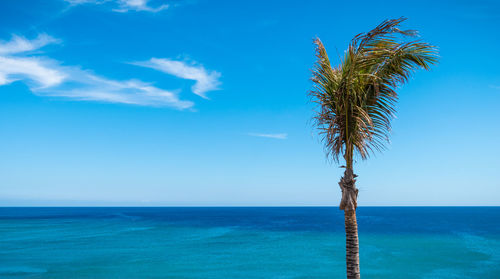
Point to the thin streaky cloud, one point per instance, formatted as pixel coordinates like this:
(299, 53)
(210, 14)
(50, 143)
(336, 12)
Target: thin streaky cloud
(272, 136)
(138, 5)
(205, 80)
(47, 77)
(86, 86)
(16, 65)
(38, 72)
(123, 6)
(79, 2)
(20, 44)
(495, 86)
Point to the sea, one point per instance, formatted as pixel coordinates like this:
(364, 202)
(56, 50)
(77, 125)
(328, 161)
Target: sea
(246, 242)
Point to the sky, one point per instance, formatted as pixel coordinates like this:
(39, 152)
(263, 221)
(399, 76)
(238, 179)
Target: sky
(204, 103)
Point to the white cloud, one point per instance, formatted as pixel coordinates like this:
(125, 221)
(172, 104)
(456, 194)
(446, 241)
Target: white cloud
(78, 2)
(123, 6)
(272, 136)
(205, 80)
(138, 5)
(29, 68)
(46, 77)
(83, 85)
(20, 44)
(15, 66)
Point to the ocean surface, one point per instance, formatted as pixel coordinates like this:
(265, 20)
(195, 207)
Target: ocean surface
(247, 242)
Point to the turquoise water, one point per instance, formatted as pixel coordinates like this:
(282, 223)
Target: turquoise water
(279, 242)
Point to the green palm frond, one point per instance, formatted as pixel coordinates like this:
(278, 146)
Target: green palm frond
(356, 100)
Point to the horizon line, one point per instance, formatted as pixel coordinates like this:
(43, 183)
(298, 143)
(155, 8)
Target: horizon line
(218, 206)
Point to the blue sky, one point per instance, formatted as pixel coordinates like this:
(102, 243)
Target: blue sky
(138, 102)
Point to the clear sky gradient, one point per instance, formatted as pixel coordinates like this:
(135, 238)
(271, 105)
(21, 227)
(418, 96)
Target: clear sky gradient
(205, 103)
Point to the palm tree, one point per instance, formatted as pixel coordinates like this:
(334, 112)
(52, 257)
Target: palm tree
(356, 103)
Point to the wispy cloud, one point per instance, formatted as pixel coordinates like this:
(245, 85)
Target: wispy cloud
(37, 71)
(123, 6)
(86, 86)
(138, 5)
(272, 136)
(20, 44)
(495, 86)
(14, 65)
(205, 80)
(79, 2)
(47, 77)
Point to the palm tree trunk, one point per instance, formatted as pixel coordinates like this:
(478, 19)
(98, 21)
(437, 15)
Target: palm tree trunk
(351, 244)
(348, 204)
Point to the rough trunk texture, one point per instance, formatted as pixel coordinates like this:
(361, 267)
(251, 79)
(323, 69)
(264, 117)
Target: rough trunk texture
(349, 204)
(351, 244)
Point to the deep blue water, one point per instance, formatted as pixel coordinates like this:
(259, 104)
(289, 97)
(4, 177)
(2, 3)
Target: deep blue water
(247, 242)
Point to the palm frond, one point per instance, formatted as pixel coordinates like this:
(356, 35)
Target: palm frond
(356, 100)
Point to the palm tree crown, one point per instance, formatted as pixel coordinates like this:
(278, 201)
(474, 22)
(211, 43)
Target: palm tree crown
(357, 98)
